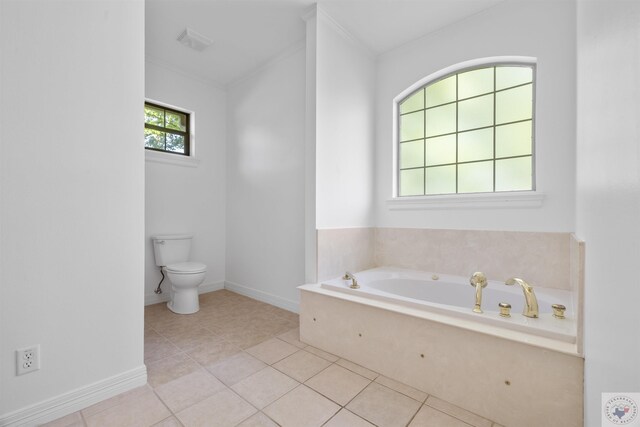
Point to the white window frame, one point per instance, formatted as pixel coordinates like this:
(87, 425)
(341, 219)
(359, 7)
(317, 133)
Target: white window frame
(512, 199)
(167, 158)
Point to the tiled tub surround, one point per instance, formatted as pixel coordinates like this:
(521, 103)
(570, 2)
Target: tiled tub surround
(542, 259)
(547, 260)
(232, 364)
(345, 249)
(514, 383)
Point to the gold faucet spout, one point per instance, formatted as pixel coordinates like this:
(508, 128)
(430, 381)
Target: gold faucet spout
(531, 302)
(479, 280)
(354, 282)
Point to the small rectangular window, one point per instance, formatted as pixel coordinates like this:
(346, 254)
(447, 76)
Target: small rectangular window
(166, 129)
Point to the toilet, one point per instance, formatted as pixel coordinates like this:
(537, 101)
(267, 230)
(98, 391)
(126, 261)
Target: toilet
(172, 255)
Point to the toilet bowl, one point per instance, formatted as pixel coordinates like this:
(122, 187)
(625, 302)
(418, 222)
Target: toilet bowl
(172, 254)
(185, 277)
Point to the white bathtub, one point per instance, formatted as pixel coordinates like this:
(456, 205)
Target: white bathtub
(453, 298)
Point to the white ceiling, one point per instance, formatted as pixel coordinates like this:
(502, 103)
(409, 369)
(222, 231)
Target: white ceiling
(247, 33)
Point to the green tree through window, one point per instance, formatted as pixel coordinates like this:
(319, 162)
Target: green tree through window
(166, 129)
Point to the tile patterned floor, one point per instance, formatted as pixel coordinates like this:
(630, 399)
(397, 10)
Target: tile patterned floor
(239, 362)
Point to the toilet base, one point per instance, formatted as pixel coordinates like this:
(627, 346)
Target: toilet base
(184, 301)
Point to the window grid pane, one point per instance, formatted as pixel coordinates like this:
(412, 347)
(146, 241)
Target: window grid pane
(475, 134)
(166, 129)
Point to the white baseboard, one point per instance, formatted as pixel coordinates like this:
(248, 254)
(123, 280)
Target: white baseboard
(154, 298)
(75, 400)
(283, 303)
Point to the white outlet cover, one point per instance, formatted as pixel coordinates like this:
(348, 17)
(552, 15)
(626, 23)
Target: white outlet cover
(27, 359)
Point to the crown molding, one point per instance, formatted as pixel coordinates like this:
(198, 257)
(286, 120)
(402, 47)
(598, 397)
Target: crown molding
(344, 33)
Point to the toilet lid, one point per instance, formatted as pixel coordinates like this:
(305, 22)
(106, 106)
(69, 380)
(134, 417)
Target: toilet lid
(186, 267)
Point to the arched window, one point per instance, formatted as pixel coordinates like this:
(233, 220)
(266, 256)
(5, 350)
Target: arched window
(467, 129)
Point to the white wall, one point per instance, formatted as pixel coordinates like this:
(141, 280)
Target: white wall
(188, 199)
(608, 195)
(72, 196)
(266, 181)
(545, 30)
(345, 78)
(310, 231)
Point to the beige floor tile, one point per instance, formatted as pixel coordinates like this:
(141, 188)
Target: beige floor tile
(119, 399)
(301, 365)
(457, 412)
(212, 351)
(164, 370)
(144, 409)
(275, 326)
(360, 370)
(429, 417)
(265, 386)
(258, 420)
(272, 350)
(327, 356)
(345, 418)
(169, 422)
(189, 338)
(176, 327)
(293, 337)
(338, 384)
(236, 368)
(246, 339)
(301, 407)
(170, 320)
(413, 393)
(384, 407)
(290, 316)
(157, 347)
(224, 409)
(154, 313)
(71, 420)
(189, 389)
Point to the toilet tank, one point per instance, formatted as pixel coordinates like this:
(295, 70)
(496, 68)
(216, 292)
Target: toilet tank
(171, 248)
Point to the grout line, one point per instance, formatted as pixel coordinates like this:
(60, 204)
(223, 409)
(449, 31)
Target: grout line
(274, 421)
(456, 418)
(414, 415)
(404, 394)
(358, 394)
(389, 388)
(372, 380)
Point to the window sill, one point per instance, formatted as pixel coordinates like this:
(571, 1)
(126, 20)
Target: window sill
(516, 199)
(171, 159)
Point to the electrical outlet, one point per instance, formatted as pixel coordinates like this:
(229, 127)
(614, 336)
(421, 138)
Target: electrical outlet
(27, 359)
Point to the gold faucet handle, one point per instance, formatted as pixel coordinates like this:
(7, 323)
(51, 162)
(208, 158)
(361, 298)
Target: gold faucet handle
(505, 309)
(478, 278)
(558, 311)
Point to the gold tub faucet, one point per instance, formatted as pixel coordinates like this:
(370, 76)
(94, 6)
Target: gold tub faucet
(354, 282)
(531, 306)
(479, 281)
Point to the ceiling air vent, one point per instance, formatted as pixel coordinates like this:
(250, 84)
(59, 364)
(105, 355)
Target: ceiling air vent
(194, 40)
